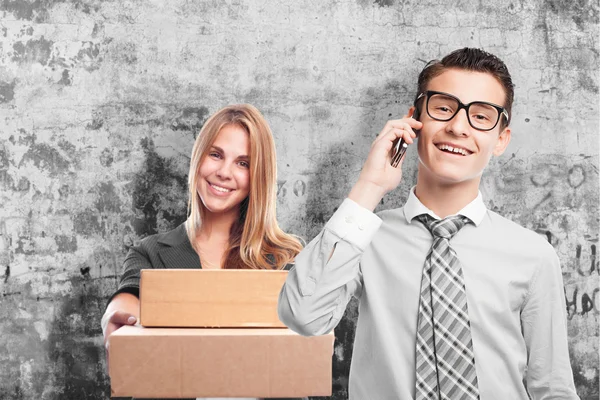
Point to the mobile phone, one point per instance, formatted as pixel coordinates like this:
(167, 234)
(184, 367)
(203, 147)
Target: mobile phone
(399, 146)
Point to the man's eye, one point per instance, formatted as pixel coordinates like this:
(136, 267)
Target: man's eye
(480, 117)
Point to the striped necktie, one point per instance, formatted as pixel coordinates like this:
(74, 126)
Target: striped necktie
(445, 366)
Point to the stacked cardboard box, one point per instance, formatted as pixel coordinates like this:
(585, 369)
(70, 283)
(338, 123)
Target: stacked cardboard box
(215, 333)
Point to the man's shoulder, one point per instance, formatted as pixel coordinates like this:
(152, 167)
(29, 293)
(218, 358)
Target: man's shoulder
(513, 234)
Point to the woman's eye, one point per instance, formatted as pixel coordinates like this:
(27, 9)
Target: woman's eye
(244, 164)
(214, 155)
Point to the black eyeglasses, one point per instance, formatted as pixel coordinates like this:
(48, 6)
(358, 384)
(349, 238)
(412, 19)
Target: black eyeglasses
(481, 115)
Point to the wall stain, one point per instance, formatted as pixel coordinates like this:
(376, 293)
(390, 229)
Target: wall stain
(89, 56)
(7, 91)
(582, 12)
(106, 158)
(46, 158)
(34, 51)
(107, 198)
(320, 113)
(87, 223)
(65, 78)
(6, 180)
(6, 273)
(38, 10)
(191, 120)
(97, 121)
(159, 193)
(4, 157)
(66, 244)
(24, 246)
(384, 3)
(23, 185)
(78, 363)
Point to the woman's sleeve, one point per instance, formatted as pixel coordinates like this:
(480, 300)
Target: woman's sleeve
(129, 281)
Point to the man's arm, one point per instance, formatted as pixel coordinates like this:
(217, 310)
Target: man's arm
(327, 272)
(544, 324)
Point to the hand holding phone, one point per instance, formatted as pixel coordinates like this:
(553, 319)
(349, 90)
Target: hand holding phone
(399, 147)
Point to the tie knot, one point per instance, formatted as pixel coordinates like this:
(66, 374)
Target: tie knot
(443, 228)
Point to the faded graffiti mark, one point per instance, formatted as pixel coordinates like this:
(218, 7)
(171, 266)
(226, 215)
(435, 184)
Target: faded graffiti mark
(281, 189)
(298, 188)
(591, 267)
(575, 176)
(579, 302)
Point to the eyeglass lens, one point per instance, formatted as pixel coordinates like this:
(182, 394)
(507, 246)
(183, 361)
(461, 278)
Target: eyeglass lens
(443, 108)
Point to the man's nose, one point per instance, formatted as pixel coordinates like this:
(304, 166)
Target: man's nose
(459, 124)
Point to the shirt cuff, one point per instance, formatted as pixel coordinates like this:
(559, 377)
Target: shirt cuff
(354, 223)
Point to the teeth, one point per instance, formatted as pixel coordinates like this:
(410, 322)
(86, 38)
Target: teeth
(452, 149)
(220, 189)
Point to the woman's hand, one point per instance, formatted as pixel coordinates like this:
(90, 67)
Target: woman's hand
(378, 177)
(113, 321)
(122, 310)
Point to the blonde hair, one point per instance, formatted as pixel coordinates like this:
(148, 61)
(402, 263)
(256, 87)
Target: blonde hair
(255, 240)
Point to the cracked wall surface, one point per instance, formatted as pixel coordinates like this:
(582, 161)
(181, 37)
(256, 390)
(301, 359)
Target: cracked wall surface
(100, 102)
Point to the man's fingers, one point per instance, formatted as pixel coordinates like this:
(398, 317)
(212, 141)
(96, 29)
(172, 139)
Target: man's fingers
(405, 122)
(398, 133)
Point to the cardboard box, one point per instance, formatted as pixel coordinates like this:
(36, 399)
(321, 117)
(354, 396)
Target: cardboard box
(210, 298)
(179, 363)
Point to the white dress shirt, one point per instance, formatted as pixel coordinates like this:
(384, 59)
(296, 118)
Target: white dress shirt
(514, 294)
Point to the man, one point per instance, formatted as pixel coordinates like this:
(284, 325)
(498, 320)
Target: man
(456, 302)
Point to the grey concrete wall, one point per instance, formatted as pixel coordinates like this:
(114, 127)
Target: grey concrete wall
(100, 103)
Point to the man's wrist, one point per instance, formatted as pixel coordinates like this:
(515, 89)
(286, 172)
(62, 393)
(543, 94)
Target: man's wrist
(367, 194)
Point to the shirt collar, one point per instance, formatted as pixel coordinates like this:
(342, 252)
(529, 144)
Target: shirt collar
(475, 210)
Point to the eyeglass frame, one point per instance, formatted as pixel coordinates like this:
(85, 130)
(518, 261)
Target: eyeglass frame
(428, 93)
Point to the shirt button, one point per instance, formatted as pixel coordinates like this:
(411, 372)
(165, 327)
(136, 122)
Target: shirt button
(349, 219)
(361, 227)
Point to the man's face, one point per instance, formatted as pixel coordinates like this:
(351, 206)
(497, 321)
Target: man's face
(438, 163)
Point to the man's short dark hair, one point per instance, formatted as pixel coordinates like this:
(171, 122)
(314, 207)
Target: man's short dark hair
(476, 60)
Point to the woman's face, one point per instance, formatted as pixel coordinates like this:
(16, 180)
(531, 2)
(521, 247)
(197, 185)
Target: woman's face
(224, 175)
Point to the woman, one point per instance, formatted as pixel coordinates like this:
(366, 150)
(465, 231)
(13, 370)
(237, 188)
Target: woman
(231, 212)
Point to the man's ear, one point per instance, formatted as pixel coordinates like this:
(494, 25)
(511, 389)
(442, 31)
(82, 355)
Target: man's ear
(503, 141)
